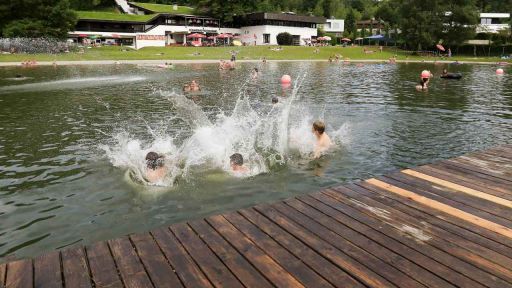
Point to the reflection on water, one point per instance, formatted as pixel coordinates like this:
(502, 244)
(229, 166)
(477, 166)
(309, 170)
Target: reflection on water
(62, 128)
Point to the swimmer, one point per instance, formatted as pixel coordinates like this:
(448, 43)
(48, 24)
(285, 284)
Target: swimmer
(423, 85)
(222, 64)
(237, 163)
(186, 88)
(323, 142)
(445, 72)
(19, 76)
(255, 73)
(194, 86)
(264, 60)
(155, 169)
(275, 100)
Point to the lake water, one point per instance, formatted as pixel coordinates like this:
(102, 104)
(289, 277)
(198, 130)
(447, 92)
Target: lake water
(73, 139)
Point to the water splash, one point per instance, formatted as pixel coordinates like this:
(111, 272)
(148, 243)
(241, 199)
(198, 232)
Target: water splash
(266, 136)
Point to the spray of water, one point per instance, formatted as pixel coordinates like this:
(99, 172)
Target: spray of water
(265, 137)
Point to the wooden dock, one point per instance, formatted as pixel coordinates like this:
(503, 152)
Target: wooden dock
(448, 224)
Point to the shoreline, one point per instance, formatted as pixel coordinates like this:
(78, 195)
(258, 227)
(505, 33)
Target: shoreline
(213, 61)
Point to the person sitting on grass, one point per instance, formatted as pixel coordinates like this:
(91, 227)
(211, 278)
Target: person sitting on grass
(237, 163)
(323, 142)
(155, 168)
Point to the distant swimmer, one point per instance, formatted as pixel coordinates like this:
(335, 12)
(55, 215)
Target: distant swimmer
(423, 85)
(323, 142)
(156, 170)
(275, 100)
(255, 73)
(194, 86)
(186, 88)
(237, 163)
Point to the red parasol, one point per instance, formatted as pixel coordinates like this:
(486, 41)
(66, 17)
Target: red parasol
(116, 36)
(211, 37)
(83, 35)
(440, 47)
(345, 40)
(196, 35)
(223, 35)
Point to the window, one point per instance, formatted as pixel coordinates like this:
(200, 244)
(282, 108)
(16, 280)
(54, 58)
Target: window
(266, 38)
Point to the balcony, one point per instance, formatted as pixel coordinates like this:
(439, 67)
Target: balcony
(491, 28)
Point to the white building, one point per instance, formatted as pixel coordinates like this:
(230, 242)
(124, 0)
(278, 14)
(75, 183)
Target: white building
(334, 26)
(167, 29)
(493, 22)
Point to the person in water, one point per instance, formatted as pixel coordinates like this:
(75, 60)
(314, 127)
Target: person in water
(155, 168)
(186, 88)
(445, 72)
(194, 86)
(255, 73)
(275, 100)
(323, 141)
(237, 163)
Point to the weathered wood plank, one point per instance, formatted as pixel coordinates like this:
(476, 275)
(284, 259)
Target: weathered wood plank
(434, 274)
(243, 270)
(266, 265)
(460, 188)
(75, 268)
(477, 169)
(218, 274)
(160, 272)
(3, 270)
(334, 274)
(355, 268)
(183, 264)
(102, 265)
(288, 261)
(489, 261)
(20, 274)
(372, 262)
(389, 256)
(500, 229)
(47, 271)
(128, 263)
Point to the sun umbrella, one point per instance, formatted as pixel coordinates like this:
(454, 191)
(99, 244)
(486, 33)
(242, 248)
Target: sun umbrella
(196, 35)
(359, 38)
(82, 35)
(210, 37)
(116, 36)
(93, 36)
(440, 47)
(327, 38)
(223, 35)
(321, 38)
(345, 40)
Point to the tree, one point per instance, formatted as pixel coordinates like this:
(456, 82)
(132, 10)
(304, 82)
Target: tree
(350, 23)
(460, 23)
(284, 38)
(36, 18)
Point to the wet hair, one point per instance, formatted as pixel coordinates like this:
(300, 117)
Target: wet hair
(275, 100)
(256, 69)
(237, 159)
(319, 126)
(154, 161)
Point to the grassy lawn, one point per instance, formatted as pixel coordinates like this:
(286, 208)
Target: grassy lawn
(245, 53)
(161, 8)
(113, 16)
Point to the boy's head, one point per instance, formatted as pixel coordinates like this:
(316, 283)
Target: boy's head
(319, 127)
(275, 100)
(236, 159)
(154, 160)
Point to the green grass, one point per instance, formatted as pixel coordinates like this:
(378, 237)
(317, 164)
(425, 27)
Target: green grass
(97, 15)
(161, 8)
(249, 53)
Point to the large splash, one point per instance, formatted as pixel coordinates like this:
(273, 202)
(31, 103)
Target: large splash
(267, 137)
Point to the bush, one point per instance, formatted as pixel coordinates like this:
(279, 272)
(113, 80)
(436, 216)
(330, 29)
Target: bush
(285, 39)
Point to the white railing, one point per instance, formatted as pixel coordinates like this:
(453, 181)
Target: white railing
(491, 28)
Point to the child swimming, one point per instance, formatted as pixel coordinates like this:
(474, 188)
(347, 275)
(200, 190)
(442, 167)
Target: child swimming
(155, 168)
(237, 163)
(323, 141)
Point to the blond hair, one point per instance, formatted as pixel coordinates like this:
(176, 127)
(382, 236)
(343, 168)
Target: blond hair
(319, 126)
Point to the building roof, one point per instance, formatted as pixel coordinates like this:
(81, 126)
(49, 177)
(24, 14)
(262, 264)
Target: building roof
(117, 17)
(161, 8)
(494, 15)
(285, 17)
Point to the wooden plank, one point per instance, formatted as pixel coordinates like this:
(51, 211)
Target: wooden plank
(75, 268)
(473, 177)
(489, 261)
(288, 261)
(382, 252)
(185, 267)
(431, 216)
(128, 263)
(353, 267)
(459, 188)
(313, 259)
(240, 267)
(434, 274)
(491, 160)
(218, 274)
(476, 169)
(417, 240)
(20, 274)
(467, 203)
(261, 261)
(482, 165)
(3, 270)
(103, 268)
(500, 229)
(372, 262)
(157, 267)
(475, 181)
(47, 271)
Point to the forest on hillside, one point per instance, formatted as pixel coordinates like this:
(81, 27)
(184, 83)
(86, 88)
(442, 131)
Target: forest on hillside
(422, 23)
